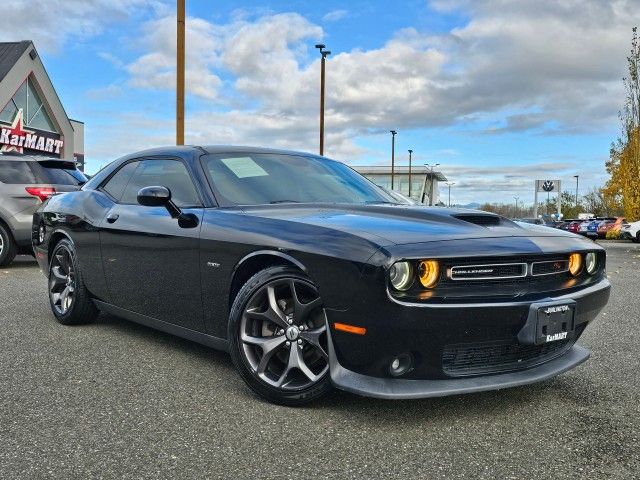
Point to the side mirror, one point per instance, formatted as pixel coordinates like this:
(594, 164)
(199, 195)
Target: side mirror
(161, 197)
(154, 196)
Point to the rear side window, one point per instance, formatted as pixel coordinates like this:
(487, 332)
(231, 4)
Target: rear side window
(118, 182)
(58, 173)
(16, 172)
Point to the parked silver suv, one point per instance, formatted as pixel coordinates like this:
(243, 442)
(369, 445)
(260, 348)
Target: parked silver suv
(25, 182)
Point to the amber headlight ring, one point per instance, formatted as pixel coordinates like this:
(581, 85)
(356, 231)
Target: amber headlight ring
(575, 264)
(428, 273)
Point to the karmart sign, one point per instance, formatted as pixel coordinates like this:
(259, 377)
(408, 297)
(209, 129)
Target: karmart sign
(17, 138)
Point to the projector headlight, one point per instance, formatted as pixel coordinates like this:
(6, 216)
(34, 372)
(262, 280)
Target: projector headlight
(575, 264)
(429, 273)
(401, 275)
(591, 262)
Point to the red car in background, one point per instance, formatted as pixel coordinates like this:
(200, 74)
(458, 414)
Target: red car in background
(574, 226)
(610, 224)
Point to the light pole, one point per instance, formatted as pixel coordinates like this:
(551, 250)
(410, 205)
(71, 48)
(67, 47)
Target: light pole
(410, 152)
(432, 166)
(393, 155)
(516, 198)
(324, 54)
(180, 74)
(577, 177)
(449, 185)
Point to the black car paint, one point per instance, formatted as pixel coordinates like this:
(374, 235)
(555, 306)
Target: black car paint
(183, 278)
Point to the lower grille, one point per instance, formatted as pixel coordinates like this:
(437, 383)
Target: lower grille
(498, 357)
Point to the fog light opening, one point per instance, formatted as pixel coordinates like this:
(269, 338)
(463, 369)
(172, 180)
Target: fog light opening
(401, 364)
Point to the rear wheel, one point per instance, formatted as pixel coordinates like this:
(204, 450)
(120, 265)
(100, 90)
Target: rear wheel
(278, 337)
(68, 296)
(8, 248)
(637, 237)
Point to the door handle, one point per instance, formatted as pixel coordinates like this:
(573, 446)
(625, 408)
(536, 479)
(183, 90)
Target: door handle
(112, 217)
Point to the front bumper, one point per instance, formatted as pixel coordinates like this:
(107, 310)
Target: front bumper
(362, 368)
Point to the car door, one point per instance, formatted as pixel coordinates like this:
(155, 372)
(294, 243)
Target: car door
(151, 262)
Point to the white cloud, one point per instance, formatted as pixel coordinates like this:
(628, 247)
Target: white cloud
(50, 24)
(335, 15)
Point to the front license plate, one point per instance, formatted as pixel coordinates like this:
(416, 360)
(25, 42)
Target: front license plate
(555, 323)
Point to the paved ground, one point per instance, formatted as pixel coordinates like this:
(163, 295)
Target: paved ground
(117, 400)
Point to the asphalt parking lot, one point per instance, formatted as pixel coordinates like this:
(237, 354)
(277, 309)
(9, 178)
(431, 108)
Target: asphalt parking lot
(118, 400)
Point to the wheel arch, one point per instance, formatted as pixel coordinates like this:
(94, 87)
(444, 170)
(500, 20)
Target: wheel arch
(255, 262)
(55, 238)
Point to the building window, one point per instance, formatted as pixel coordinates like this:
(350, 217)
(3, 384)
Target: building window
(34, 113)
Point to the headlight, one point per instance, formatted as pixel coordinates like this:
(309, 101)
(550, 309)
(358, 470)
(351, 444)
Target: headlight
(401, 275)
(575, 264)
(428, 273)
(591, 262)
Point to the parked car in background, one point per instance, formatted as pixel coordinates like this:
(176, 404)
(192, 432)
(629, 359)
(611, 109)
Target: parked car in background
(574, 226)
(610, 225)
(25, 182)
(631, 231)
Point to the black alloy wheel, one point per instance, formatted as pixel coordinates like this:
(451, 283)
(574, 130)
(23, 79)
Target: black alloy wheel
(8, 249)
(69, 299)
(278, 336)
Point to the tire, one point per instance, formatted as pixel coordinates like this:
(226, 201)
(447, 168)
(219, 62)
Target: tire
(74, 307)
(8, 247)
(280, 352)
(636, 239)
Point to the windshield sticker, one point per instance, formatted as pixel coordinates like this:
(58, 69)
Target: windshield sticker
(244, 167)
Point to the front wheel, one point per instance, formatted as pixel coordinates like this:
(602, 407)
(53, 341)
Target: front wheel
(278, 337)
(68, 296)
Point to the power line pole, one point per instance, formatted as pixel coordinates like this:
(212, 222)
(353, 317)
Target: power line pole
(393, 156)
(449, 185)
(410, 152)
(180, 74)
(324, 54)
(516, 198)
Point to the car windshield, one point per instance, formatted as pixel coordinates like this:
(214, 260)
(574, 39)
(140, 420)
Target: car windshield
(260, 178)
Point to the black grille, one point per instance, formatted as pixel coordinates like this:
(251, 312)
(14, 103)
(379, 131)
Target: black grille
(496, 357)
(481, 272)
(549, 267)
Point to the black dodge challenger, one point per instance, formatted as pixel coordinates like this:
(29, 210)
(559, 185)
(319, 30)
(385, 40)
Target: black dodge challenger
(312, 277)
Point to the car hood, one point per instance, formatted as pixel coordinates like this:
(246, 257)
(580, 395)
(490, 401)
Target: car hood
(404, 224)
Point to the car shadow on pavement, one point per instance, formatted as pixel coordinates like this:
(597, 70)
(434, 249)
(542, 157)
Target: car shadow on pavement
(21, 261)
(362, 409)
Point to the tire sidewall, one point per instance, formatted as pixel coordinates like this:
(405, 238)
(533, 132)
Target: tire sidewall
(273, 394)
(9, 247)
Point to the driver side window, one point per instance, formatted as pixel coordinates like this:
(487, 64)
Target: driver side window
(172, 174)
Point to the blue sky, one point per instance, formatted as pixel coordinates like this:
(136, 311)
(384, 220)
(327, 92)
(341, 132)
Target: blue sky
(498, 92)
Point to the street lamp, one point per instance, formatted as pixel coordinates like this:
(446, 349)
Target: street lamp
(516, 198)
(449, 185)
(324, 54)
(393, 155)
(410, 152)
(576, 177)
(432, 166)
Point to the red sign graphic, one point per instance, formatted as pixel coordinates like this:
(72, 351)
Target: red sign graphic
(17, 138)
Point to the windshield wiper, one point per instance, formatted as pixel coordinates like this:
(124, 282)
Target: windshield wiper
(284, 201)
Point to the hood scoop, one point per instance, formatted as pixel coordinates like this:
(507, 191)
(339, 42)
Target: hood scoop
(479, 219)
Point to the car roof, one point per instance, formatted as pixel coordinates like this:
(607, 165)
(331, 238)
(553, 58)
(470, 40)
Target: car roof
(248, 149)
(17, 157)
